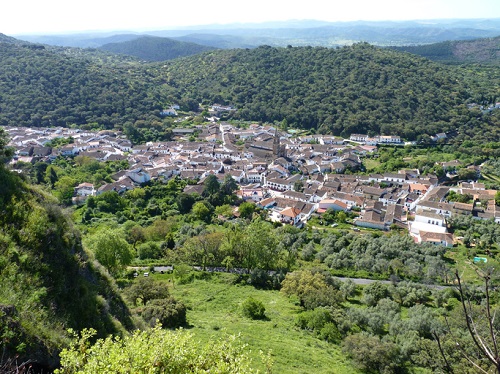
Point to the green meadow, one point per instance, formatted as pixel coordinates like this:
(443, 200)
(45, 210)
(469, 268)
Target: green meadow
(214, 310)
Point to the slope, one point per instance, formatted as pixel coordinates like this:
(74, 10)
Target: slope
(352, 89)
(486, 50)
(45, 87)
(150, 48)
(47, 282)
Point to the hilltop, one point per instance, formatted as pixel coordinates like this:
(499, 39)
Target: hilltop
(151, 48)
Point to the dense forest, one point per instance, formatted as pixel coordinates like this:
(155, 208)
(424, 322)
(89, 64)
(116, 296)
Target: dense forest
(483, 51)
(347, 90)
(151, 48)
(341, 91)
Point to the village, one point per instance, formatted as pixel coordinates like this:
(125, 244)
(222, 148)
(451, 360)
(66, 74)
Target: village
(294, 178)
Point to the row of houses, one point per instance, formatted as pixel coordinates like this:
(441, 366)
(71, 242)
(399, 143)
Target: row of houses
(292, 178)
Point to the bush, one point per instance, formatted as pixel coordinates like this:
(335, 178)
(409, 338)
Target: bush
(149, 250)
(145, 289)
(330, 333)
(253, 309)
(169, 312)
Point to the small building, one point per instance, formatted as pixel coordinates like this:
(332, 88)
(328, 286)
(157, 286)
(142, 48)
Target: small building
(85, 189)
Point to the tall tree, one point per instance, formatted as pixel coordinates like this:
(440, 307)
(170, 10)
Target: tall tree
(110, 249)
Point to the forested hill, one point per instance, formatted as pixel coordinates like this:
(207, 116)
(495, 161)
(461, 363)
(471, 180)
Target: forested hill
(42, 87)
(359, 88)
(9, 39)
(152, 48)
(486, 50)
(352, 89)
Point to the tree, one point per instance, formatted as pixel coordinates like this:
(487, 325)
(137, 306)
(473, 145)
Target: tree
(224, 210)
(481, 323)
(184, 202)
(169, 312)
(203, 249)
(348, 288)
(201, 211)
(372, 354)
(110, 249)
(246, 210)
(312, 288)
(65, 189)
(51, 176)
(145, 289)
(211, 186)
(5, 152)
(298, 186)
(229, 185)
(374, 292)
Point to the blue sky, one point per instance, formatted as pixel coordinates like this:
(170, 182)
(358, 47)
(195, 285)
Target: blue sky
(59, 16)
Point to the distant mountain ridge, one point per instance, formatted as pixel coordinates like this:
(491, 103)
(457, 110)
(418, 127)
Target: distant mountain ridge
(485, 50)
(299, 33)
(154, 48)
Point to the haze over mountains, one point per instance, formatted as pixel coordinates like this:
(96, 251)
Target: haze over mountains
(296, 33)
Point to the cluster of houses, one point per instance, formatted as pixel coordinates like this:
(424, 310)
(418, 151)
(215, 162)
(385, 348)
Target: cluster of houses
(293, 178)
(484, 109)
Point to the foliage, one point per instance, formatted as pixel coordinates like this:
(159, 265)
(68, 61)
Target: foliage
(154, 351)
(313, 289)
(246, 210)
(253, 309)
(390, 255)
(353, 89)
(47, 278)
(110, 249)
(320, 321)
(168, 312)
(5, 152)
(145, 289)
(152, 48)
(372, 354)
(458, 51)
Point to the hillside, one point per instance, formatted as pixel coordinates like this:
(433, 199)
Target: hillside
(43, 87)
(48, 283)
(150, 48)
(8, 39)
(485, 50)
(359, 88)
(341, 91)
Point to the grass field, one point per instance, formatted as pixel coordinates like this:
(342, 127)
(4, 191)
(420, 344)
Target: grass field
(215, 310)
(465, 266)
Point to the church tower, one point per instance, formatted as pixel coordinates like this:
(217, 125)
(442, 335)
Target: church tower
(278, 149)
(276, 144)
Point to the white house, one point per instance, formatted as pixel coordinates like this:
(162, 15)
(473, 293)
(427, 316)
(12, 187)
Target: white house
(85, 189)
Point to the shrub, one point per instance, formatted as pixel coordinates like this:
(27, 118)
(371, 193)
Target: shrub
(253, 309)
(149, 250)
(169, 312)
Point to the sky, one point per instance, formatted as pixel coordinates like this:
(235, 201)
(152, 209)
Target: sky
(20, 17)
